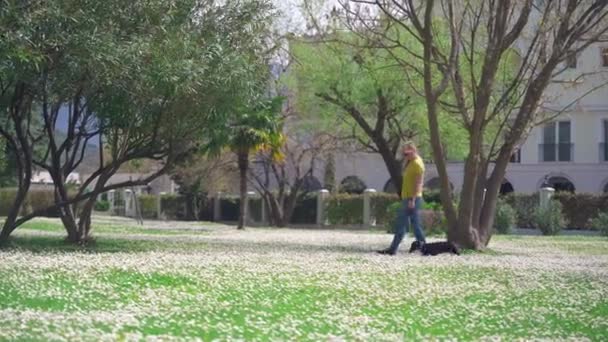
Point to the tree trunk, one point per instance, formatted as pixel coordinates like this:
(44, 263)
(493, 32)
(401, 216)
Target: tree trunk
(393, 166)
(465, 234)
(290, 206)
(9, 223)
(84, 223)
(243, 163)
(66, 214)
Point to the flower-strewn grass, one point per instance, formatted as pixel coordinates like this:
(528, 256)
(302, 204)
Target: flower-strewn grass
(137, 283)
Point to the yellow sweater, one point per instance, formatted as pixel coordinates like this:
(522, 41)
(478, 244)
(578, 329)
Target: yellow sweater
(413, 169)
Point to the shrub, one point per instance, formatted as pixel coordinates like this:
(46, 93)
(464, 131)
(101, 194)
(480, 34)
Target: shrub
(173, 207)
(206, 208)
(230, 208)
(380, 203)
(102, 206)
(579, 208)
(305, 211)
(36, 199)
(391, 216)
(7, 196)
(601, 223)
(432, 196)
(524, 205)
(147, 205)
(549, 219)
(433, 221)
(504, 220)
(345, 209)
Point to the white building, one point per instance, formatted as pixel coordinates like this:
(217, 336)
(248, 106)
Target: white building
(44, 178)
(571, 152)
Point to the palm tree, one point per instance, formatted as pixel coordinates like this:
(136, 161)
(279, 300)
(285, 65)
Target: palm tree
(254, 129)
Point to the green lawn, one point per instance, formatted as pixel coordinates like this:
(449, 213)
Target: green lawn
(212, 282)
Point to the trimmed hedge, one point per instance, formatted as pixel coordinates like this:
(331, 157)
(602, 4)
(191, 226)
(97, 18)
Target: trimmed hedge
(230, 207)
(36, 199)
(255, 209)
(580, 208)
(173, 207)
(601, 223)
(147, 205)
(305, 211)
(102, 206)
(380, 204)
(348, 209)
(345, 209)
(433, 221)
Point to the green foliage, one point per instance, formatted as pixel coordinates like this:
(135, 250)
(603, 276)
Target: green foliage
(7, 196)
(524, 205)
(504, 220)
(352, 185)
(601, 223)
(431, 196)
(432, 220)
(173, 207)
(305, 211)
(154, 75)
(230, 207)
(380, 207)
(391, 216)
(147, 205)
(102, 206)
(579, 208)
(356, 77)
(36, 200)
(549, 219)
(345, 209)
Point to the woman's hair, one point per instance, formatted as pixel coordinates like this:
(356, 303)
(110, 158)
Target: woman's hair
(410, 145)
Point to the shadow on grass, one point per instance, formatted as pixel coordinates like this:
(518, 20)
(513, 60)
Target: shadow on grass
(49, 242)
(57, 243)
(106, 244)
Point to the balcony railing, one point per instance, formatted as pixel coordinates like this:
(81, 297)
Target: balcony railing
(562, 152)
(604, 152)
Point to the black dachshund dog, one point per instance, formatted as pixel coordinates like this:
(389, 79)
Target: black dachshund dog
(434, 248)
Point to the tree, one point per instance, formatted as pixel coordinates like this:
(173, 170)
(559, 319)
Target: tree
(282, 183)
(122, 71)
(464, 49)
(252, 129)
(329, 176)
(198, 176)
(341, 77)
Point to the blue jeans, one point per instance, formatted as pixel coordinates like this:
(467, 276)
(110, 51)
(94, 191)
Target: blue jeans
(405, 216)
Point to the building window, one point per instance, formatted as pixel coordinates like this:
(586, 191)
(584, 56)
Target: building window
(605, 56)
(556, 146)
(571, 61)
(561, 184)
(516, 156)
